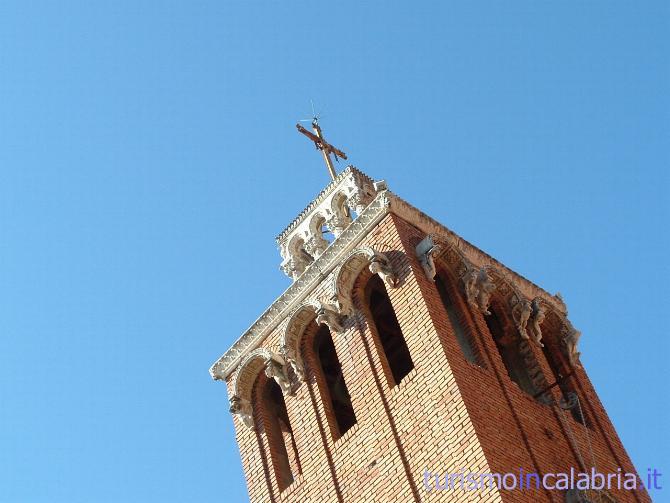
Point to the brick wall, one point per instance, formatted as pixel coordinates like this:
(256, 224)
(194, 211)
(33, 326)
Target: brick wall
(447, 414)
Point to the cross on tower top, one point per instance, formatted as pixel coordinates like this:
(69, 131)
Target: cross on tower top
(322, 145)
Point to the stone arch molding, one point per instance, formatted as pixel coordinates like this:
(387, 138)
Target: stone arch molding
(323, 314)
(348, 272)
(262, 359)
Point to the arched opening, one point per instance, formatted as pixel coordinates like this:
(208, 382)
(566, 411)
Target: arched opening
(336, 394)
(458, 325)
(388, 329)
(280, 439)
(508, 348)
(561, 369)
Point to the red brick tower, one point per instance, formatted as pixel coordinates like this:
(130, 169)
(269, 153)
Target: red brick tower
(402, 353)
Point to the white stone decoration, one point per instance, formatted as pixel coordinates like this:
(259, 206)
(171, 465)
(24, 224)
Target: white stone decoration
(241, 407)
(478, 289)
(255, 362)
(426, 250)
(570, 338)
(302, 242)
(345, 276)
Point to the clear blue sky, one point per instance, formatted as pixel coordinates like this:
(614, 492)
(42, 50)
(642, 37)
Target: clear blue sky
(148, 157)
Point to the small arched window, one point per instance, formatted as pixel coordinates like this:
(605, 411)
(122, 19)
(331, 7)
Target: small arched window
(508, 348)
(281, 442)
(388, 329)
(461, 331)
(335, 395)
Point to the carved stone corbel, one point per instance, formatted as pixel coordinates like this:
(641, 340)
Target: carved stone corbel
(297, 373)
(426, 251)
(243, 410)
(278, 371)
(521, 312)
(478, 289)
(328, 315)
(570, 338)
(381, 265)
(535, 321)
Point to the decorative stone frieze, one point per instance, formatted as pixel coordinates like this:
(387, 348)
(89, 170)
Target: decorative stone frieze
(303, 242)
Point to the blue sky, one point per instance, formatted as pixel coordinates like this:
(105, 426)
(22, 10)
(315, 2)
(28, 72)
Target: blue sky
(148, 157)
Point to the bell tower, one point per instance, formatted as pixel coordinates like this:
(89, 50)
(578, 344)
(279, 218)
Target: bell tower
(402, 356)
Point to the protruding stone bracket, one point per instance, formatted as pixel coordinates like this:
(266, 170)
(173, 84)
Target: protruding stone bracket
(241, 407)
(478, 288)
(426, 251)
(521, 311)
(276, 368)
(570, 338)
(327, 314)
(351, 267)
(528, 317)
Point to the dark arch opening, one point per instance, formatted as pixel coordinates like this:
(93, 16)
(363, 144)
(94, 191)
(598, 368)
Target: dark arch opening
(337, 397)
(461, 331)
(388, 329)
(508, 348)
(283, 448)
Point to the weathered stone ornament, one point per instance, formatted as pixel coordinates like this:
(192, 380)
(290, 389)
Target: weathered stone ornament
(478, 289)
(302, 242)
(521, 312)
(570, 337)
(296, 373)
(277, 370)
(380, 265)
(535, 322)
(242, 409)
(426, 251)
(329, 316)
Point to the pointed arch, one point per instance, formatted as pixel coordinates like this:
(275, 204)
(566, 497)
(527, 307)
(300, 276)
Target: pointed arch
(295, 328)
(506, 324)
(348, 272)
(248, 370)
(323, 314)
